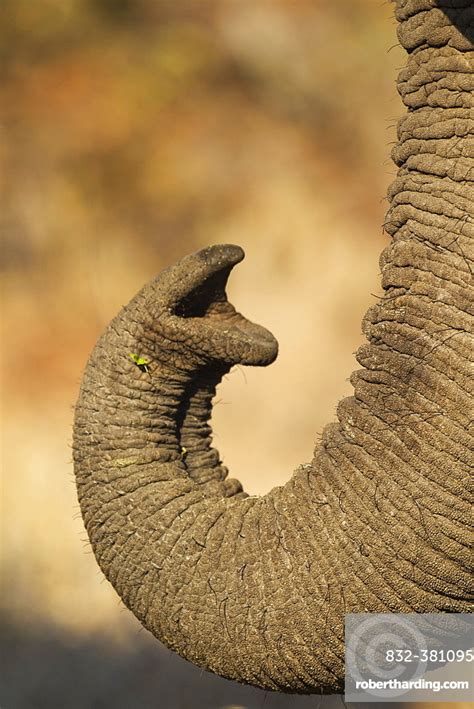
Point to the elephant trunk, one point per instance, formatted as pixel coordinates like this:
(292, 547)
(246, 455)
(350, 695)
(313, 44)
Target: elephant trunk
(256, 588)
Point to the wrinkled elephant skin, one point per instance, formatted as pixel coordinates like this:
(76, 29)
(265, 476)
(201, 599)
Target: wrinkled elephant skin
(256, 588)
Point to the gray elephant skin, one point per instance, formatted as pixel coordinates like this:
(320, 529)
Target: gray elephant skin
(256, 588)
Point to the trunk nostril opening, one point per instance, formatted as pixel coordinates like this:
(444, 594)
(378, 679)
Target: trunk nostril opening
(204, 298)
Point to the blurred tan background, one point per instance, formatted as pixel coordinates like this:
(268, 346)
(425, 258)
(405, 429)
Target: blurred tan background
(135, 132)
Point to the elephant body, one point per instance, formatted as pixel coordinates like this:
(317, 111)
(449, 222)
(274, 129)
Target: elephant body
(256, 588)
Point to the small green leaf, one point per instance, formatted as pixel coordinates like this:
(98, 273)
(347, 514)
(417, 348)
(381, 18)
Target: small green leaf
(138, 360)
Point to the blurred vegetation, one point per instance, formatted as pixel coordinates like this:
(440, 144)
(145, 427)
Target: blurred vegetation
(129, 121)
(135, 131)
